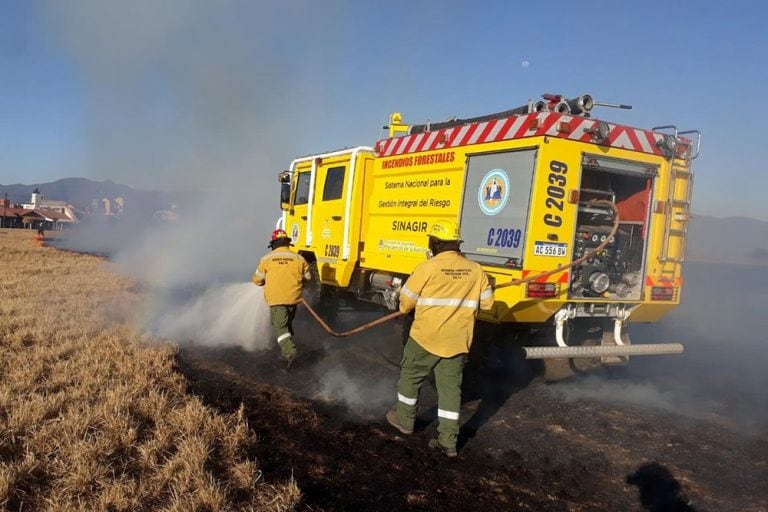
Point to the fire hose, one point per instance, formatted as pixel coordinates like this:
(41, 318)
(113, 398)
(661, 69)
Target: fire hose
(356, 330)
(513, 282)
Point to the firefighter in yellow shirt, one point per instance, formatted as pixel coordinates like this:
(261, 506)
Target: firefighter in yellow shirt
(282, 273)
(446, 292)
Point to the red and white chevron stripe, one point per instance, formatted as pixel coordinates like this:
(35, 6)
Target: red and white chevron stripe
(519, 127)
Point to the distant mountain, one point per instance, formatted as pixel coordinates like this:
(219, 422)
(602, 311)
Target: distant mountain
(728, 240)
(87, 196)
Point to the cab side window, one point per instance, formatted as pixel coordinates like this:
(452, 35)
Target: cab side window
(334, 183)
(302, 189)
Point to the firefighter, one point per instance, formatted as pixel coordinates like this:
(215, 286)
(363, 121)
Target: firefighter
(445, 291)
(282, 273)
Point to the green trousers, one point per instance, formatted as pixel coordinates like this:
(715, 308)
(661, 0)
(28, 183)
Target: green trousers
(282, 322)
(416, 366)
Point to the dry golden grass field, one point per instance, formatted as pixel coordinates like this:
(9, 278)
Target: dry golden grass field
(93, 416)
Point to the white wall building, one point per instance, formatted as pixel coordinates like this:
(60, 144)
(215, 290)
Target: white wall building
(39, 204)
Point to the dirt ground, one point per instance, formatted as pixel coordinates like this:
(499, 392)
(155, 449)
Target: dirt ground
(524, 444)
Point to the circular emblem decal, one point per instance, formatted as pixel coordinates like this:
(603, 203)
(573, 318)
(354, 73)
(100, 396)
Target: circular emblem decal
(295, 232)
(493, 192)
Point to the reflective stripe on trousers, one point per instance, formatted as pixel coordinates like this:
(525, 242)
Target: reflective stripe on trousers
(416, 365)
(449, 415)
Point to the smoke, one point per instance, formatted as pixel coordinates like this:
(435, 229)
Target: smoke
(681, 400)
(360, 372)
(197, 250)
(190, 95)
(360, 393)
(721, 375)
(232, 315)
(200, 96)
(193, 95)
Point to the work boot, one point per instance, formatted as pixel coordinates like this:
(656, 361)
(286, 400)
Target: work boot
(288, 352)
(449, 452)
(289, 359)
(394, 420)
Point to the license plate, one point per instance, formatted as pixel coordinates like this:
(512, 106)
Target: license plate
(550, 249)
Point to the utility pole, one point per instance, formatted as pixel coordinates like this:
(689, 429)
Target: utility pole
(5, 202)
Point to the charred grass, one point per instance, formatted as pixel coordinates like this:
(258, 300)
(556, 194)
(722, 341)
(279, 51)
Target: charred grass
(94, 417)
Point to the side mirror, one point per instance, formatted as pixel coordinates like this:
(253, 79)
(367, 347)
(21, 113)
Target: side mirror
(285, 190)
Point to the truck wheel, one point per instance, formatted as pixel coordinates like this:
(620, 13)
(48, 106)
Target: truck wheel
(322, 297)
(312, 287)
(328, 304)
(584, 333)
(557, 369)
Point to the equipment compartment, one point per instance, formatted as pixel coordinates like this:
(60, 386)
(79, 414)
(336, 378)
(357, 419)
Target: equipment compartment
(616, 272)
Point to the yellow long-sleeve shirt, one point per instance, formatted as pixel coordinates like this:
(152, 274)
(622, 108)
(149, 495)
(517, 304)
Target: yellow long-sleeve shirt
(281, 273)
(446, 292)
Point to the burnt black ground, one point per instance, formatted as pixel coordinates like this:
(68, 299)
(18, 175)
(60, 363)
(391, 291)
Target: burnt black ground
(525, 445)
(675, 433)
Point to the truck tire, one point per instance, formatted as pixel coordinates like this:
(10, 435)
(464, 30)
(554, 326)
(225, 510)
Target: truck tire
(321, 297)
(586, 334)
(583, 333)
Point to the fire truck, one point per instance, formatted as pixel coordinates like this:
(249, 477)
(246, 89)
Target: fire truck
(579, 223)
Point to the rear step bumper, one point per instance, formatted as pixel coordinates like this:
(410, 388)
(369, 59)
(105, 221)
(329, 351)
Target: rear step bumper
(602, 351)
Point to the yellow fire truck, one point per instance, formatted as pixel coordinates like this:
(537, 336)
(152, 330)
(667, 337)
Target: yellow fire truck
(580, 223)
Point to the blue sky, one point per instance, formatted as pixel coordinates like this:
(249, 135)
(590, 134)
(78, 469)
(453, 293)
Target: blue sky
(187, 94)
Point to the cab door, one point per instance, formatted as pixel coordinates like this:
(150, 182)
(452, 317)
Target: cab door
(296, 225)
(328, 219)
